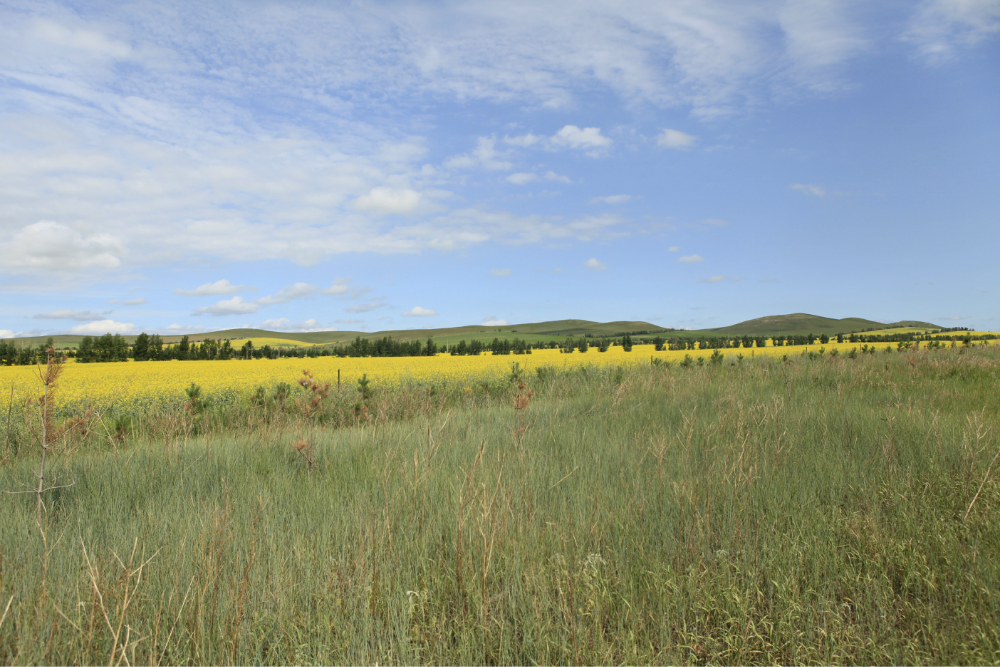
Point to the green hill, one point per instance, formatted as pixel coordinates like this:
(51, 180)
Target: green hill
(798, 324)
(793, 324)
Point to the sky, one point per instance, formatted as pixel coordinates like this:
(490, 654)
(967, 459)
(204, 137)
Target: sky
(176, 167)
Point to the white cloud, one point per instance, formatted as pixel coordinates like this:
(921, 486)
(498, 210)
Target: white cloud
(521, 178)
(675, 139)
(714, 222)
(814, 190)
(940, 26)
(135, 302)
(342, 287)
(217, 288)
(384, 200)
(673, 248)
(51, 246)
(78, 315)
(285, 324)
(286, 294)
(611, 199)
(589, 139)
(691, 258)
(594, 264)
(484, 156)
(492, 321)
(417, 311)
(713, 279)
(234, 306)
(101, 327)
(500, 273)
(524, 140)
(6, 333)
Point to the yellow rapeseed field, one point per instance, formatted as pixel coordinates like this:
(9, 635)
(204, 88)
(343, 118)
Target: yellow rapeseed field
(151, 382)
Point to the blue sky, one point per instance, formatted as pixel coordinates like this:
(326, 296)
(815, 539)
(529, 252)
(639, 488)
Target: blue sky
(187, 167)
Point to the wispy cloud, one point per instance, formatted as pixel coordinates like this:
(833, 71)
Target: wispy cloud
(611, 199)
(675, 139)
(595, 264)
(217, 288)
(809, 189)
(493, 321)
(690, 259)
(234, 306)
(500, 273)
(78, 315)
(135, 302)
(365, 307)
(286, 294)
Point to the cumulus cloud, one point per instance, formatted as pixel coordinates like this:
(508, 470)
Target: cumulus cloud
(611, 199)
(52, 246)
(234, 306)
(285, 324)
(809, 189)
(500, 273)
(101, 327)
(286, 294)
(78, 315)
(6, 333)
(521, 178)
(484, 156)
(417, 311)
(673, 248)
(589, 139)
(492, 321)
(691, 259)
(524, 140)
(342, 287)
(218, 288)
(675, 139)
(135, 302)
(594, 264)
(385, 200)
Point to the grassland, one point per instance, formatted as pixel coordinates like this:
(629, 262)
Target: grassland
(813, 509)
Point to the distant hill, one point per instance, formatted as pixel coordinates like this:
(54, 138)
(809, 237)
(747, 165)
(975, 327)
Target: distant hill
(794, 324)
(798, 324)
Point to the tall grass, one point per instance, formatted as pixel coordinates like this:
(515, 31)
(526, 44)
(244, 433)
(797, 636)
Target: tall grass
(760, 511)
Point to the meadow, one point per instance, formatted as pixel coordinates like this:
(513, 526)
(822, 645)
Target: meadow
(781, 507)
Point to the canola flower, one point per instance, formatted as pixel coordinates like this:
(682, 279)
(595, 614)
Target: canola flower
(146, 383)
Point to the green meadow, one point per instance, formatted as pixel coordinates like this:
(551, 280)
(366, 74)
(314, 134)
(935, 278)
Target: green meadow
(829, 510)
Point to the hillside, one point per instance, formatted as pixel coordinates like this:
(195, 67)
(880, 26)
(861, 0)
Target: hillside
(793, 324)
(797, 324)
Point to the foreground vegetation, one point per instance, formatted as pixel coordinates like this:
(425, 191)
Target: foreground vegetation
(812, 509)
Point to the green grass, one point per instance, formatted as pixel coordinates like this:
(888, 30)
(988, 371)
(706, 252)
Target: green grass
(752, 512)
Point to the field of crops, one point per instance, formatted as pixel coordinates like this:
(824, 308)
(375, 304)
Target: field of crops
(150, 382)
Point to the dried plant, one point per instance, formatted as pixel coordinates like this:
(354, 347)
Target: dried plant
(48, 376)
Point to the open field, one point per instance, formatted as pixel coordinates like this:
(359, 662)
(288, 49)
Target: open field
(157, 382)
(813, 509)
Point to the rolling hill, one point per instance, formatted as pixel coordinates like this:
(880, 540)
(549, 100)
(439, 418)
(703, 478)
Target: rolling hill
(793, 324)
